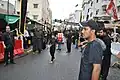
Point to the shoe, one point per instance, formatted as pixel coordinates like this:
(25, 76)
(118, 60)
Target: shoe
(5, 64)
(33, 52)
(67, 52)
(54, 59)
(51, 62)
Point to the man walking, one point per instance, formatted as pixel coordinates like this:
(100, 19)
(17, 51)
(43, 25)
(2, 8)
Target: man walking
(92, 53)
(69, 41)
(8, 42)
(52, 48)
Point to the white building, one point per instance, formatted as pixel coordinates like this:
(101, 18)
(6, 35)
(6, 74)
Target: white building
(4, 8)
(75, 17)
(97, 9)
(37, 10)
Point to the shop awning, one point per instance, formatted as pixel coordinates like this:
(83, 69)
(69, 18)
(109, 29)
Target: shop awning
(11, 19)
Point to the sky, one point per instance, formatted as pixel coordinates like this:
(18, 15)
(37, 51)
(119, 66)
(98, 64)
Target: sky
(62, 8)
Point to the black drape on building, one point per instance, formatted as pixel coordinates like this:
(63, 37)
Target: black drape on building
(23, 16)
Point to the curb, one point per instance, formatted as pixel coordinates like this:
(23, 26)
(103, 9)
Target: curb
(26, 52)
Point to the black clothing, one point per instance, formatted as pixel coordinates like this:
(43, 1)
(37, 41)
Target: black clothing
(92, 54)
(106, 57)
(37, 40)
(8, 39)
(69, 41)
(1, 36)
(52, 48)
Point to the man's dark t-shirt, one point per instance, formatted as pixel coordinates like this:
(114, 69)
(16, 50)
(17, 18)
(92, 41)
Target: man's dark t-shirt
(107, 41)
(92, 54)
(8, 39)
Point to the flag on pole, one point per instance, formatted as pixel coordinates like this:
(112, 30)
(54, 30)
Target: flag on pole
(111, 10)
(23, 11)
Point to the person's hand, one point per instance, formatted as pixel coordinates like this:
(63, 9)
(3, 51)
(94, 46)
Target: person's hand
(4, 46)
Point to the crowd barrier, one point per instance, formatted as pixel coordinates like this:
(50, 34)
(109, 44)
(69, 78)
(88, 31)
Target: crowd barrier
(18, 50)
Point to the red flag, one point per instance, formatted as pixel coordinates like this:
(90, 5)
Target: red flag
(111, 10)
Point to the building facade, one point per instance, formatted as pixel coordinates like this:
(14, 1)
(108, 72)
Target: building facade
(37, 10)
(4, 8)
(97, 9)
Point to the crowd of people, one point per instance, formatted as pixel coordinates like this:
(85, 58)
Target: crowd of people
(93, 40)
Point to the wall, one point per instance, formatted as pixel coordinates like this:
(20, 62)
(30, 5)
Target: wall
(3, 7)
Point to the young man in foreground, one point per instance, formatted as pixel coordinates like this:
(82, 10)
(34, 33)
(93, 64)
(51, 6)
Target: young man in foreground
(92, 53)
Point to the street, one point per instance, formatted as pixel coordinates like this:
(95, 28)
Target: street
(37, 67)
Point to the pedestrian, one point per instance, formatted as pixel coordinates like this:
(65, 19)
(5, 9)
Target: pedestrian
(107, 53)
(8, 42)
(59, 40)
(69, 41)
(76, 39)
(25, 38)
(37, 40)
(92, 54)
(52, 48)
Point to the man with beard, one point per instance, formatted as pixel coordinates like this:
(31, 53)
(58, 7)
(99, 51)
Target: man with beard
(107, 53)
(8, 42)
(92, 53)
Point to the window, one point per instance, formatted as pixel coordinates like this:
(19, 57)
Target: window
(18, 13)
(35, 5)
(97, 12)
(96, 1)
(104, 7)
(83, 8)
(88, 10)
(35, 17)
(91, 14)
(118, 8)
(2, 4)
(91, 3)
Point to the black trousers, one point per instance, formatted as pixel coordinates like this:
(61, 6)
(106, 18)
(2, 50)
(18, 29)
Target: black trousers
(9, 50)
(52, 52)
(37, 44)
(105, 66)
(68, 46)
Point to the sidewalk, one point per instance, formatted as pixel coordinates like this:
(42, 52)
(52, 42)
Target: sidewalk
(26, 52)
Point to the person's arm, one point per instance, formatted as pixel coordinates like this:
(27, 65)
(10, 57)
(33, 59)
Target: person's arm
(3, 39)
(95, 58)
(3, 44)
(96, 71)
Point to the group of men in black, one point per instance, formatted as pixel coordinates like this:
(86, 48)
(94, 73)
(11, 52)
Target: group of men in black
(95, 61)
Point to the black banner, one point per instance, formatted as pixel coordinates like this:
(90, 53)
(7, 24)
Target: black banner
(23, 15)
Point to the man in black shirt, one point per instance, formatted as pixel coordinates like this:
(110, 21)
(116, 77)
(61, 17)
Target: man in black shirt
(69, 41)
(92, 53)
(8, 42)
(107, 53)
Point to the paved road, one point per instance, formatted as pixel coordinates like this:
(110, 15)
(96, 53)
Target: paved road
(37, 67)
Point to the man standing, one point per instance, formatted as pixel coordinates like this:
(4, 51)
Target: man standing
(37, 40)
(8, 42)
(92, 53)
(76, 39)
(107, 53)
(69, 41)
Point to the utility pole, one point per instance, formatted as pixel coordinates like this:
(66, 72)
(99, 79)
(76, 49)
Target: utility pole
(7, 11)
